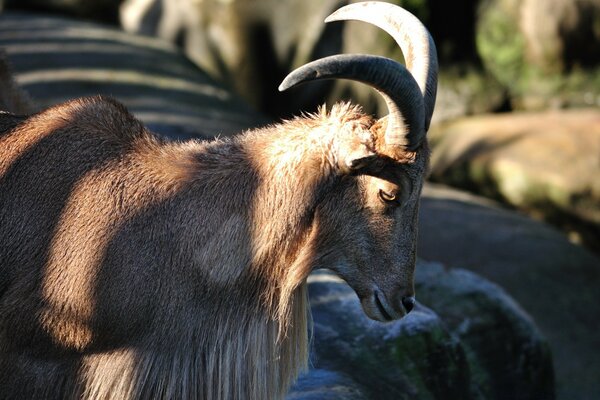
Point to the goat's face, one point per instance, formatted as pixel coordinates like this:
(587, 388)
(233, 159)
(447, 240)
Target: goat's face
(368, 232)
(368, 226)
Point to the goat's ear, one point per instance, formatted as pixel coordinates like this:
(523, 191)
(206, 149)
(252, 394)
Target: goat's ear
(354, 148)
(357, 162)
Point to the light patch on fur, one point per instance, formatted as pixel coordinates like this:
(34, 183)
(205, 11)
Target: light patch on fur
(295, 160)
(18, 143)
(324, 133)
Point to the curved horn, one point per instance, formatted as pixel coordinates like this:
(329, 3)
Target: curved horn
(391, 79)
(410, 34)
(421, 60)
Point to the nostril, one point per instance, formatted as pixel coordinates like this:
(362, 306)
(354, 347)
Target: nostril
(409, 303)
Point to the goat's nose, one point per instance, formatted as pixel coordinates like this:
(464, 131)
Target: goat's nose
(408, 302)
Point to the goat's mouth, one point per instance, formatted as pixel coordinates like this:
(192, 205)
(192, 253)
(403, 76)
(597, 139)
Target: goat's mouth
(381, 307)
(377, 307)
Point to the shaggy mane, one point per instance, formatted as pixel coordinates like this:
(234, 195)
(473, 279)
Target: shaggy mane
(217, 367)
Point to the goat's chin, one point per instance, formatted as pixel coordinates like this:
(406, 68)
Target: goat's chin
(376, 307)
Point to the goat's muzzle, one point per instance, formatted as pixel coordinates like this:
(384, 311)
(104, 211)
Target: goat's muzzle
(384, 308)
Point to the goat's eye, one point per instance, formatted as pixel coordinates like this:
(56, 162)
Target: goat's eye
(387, 197)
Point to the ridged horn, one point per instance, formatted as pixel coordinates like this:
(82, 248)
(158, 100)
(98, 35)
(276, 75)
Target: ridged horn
(406, 126)
(390, 78)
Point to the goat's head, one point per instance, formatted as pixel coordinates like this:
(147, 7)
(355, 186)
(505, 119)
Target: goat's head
(371, 240)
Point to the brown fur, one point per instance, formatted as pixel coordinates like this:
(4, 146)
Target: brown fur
(127, 295)
(132, 268)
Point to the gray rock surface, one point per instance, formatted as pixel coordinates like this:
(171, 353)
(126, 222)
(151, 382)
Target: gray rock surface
(59, 59)
(323, 384)
(415, 357)
(555, 281)
(474, 342)
(508, 358)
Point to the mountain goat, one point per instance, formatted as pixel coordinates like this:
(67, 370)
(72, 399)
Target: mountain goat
(134, 268)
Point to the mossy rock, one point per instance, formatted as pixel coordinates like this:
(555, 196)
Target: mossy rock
(555, 281)
(507, 355)
(437, 352)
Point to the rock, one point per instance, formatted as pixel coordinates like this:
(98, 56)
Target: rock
(555, 281)
(322, 384)
(432, 354)
(507, 356)
(412, 358)
(57, 59)
(543, 163)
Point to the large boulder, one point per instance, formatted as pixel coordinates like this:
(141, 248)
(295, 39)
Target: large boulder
(474, 342)
(507, 356)
(555, 281)
(544, 163)
(59, 59)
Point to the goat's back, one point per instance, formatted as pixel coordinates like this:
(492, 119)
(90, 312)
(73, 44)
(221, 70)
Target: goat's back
(70, 177)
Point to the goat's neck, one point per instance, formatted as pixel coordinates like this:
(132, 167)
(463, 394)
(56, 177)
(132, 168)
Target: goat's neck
(294, 170)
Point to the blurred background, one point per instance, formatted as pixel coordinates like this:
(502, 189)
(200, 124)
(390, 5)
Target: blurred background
(516, 128)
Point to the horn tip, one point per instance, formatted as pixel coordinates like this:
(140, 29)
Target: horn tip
(331, 18)
(287, 83)
(300, 75)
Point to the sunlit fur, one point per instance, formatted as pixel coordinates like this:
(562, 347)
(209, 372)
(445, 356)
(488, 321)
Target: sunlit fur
(133, 268)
